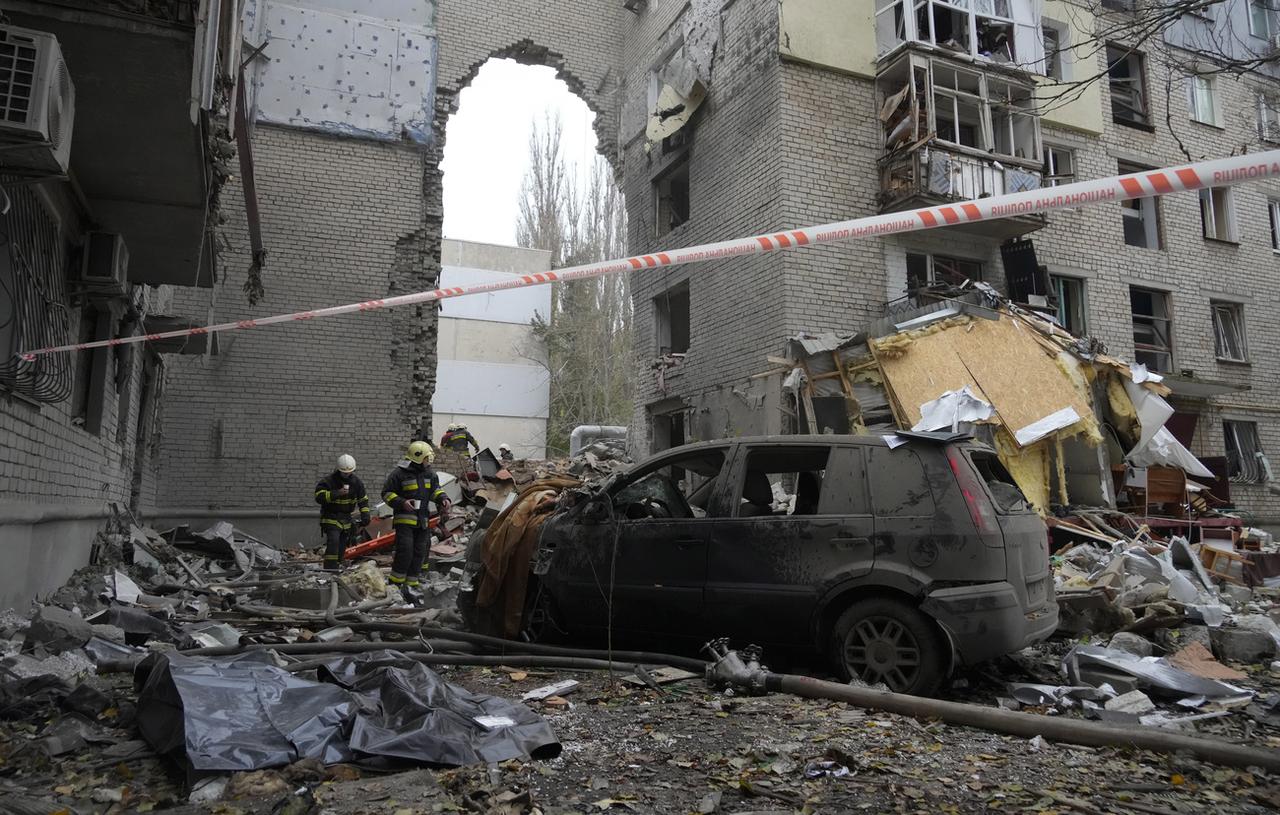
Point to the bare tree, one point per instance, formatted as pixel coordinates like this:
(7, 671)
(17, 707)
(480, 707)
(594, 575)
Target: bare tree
(588, 333)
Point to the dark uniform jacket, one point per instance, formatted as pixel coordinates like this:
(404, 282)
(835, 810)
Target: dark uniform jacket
(336, 508)
(458, 440)
(412, 481)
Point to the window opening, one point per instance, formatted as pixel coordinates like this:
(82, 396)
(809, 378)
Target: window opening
(1228, 331)
(784, 482)
(1269, 117)
(1126, 77)
(1204, 103)
(678, 489)
(671, 197)
(1059, 165)
(1217, 215)
(1273, 210)
(1141, 216)
(1245, 459)
(1069, 292)
(924, 271)
(1152, 329)
(671, 310)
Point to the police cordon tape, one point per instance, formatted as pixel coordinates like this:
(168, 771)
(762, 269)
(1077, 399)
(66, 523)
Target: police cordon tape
(1216, 173)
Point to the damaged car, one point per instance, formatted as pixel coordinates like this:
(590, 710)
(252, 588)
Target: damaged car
(891, 558)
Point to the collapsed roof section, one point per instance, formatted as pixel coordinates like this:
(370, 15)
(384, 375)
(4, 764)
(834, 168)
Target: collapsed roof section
(1061, 415)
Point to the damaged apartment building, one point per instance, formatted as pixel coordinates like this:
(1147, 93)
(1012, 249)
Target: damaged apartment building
(112, 164)
(807, 112)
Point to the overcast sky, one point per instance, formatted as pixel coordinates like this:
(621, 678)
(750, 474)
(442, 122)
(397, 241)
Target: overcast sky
(486, 147)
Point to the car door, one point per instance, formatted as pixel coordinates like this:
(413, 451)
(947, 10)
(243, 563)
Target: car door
(768, 567)
(649, 565)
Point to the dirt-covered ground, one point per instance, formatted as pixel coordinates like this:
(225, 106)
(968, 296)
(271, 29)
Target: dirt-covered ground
(683, 750)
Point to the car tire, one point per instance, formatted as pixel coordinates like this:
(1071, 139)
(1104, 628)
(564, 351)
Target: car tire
(885, 640)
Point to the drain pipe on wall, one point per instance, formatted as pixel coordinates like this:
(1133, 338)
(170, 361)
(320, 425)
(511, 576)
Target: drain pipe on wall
(731, 669)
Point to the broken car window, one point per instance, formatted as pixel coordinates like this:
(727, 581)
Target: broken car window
(679, 488)
(1004, 490)
(781, 482)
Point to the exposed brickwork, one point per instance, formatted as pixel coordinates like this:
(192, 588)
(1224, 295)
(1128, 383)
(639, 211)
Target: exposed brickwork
(256, 425)
(735, 189)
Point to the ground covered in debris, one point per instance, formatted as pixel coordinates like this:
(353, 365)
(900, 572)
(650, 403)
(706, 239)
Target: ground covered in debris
(688, 750)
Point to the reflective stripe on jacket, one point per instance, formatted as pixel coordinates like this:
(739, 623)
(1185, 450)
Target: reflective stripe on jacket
(411, 482)
(336, 508)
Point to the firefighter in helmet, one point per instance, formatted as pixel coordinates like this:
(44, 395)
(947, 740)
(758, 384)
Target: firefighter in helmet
(407, 490)
(339, 494)
(458, 439)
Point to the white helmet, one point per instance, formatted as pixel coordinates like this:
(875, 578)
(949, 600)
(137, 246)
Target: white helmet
(454, 426)
(346, 464)
(505, 446)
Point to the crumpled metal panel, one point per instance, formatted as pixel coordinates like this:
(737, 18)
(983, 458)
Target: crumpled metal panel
(939, 173)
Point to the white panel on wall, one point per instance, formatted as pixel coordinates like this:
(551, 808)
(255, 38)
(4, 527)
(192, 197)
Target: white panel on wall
(491, 389)
(510, 306)
(327, 67)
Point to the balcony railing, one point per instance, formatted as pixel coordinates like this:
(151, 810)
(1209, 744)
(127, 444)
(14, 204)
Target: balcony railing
(937, 174)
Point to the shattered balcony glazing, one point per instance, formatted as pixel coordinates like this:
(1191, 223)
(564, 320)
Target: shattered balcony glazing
(953, 132)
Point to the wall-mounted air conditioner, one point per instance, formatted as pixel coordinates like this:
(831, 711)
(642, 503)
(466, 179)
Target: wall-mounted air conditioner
(37, 103)
(105, 265)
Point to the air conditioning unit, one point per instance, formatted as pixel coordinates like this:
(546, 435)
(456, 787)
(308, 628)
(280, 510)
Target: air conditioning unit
(105, 265)
(37, 103)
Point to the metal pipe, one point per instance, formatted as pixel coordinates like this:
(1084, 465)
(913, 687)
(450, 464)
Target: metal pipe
(510, 660)
(513, 647)
(597, 431)
(430, 646)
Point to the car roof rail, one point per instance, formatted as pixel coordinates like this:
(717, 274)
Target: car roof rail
(935, 436)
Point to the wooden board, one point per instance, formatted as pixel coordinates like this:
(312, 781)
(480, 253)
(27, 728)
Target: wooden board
(1001, 361)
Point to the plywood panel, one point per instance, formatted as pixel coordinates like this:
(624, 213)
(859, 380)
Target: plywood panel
(1000, 360)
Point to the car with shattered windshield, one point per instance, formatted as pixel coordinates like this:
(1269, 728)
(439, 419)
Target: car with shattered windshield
(894, 558)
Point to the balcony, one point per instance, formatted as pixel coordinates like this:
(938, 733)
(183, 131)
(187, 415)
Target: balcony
(953, 132)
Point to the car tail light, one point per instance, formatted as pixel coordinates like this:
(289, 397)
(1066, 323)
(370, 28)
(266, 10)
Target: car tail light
(975, 498)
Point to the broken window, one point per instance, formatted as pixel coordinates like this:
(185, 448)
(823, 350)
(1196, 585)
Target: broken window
(1269, 117)
(1127, 79)
(1245, 460)
(785, 481)
(671, 310)
(1152, 328)
(1141, 216)
(958, 106)
(1056, 42)
(924, 271)
(1273, 209)
(1071, 303)
(1005, 492)
(1228, 331)
(681, 488)
(1005, 31)
(1059, 165)
(1217, 214)
(671, 197)
(1203, 89)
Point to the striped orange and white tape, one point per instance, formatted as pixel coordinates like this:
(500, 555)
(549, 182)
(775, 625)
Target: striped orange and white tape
(1215, 173)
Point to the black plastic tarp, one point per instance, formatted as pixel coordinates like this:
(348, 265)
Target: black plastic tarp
(244, 713)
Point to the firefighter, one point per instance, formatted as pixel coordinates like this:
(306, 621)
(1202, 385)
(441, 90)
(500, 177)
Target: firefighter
(339, 494)
(505, 454)
(408, 489)
(458, 439)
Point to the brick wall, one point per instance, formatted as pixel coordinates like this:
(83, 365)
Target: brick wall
(735, 187)
(46, 455)
(257, 424)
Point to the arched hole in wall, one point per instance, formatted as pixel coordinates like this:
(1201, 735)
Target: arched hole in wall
(521, 167)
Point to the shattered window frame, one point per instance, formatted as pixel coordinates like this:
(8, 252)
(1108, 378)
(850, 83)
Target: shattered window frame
(1141, 216)
(668, 215)
(1127, 81)
(776, 465)
(1057, 49)
(1152, 332)
(956, 266)
(990, 30)
(666, 327)
(1243, 448)
(1072, 296)
(1230, 343)
(1218, 215)
(1053, 160)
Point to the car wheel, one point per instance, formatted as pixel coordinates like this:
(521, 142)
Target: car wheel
(886, 640)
